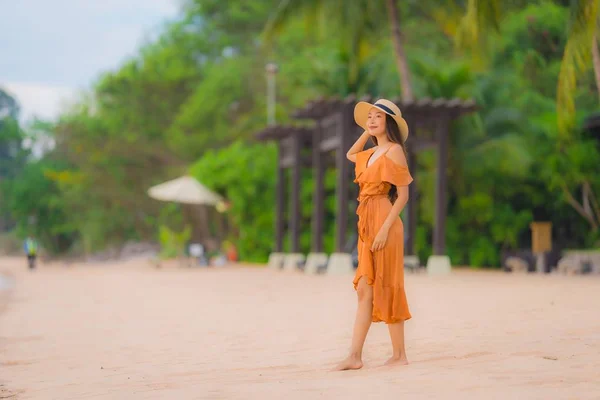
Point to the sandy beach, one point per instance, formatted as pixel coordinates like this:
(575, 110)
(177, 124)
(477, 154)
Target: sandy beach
(130, 331)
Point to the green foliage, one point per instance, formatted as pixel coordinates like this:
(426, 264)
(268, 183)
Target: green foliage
(34, 200)
(244, 174)
(481, 19)
(482, 252)
(196, 95)
(172, 244)
(455, 80)
(207, 120)
(12, 154)
(582, 33)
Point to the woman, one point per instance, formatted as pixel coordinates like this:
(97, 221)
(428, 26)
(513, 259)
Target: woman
(383, 178)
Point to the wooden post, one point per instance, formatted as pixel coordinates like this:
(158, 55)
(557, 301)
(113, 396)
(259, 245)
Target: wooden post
(219, 224)
(204, 223)
(412, 206)
(295, 196)
(541, 237)
(318, 216)
(411, 213)
(541, 242)
(439, 233)
(279, 203)
(354, 189)
(342, 166)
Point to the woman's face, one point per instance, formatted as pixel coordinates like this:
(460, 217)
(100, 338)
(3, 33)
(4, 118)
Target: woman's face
(376, 122)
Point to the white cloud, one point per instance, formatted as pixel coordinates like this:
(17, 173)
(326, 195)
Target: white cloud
(50, 49)
(39, 100)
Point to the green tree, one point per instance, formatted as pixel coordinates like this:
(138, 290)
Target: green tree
(355, 23)
(35, 202)
(535, 42)
(12, 154)
(580, 49)
(359, 25)
(245, 175)
(200, 86)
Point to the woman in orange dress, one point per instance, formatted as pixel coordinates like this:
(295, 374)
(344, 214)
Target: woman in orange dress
(383, 178)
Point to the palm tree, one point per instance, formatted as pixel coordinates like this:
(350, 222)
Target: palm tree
(580, 50)
(481, 18)
(596, 61)
(359, 21)
(356, 22)
(401, 62)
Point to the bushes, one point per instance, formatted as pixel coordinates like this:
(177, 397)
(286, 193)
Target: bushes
(245, 175)
(172, 244)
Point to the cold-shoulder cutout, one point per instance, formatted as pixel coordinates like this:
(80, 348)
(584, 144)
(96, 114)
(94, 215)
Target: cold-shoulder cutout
(395, 170)
(396, 155)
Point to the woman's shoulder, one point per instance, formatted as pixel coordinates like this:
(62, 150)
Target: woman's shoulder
(396, 155)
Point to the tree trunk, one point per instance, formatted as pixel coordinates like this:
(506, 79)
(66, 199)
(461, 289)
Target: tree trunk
(585, 199)
(579, 208)
(596, 62)
(593, 200)
(401, 62)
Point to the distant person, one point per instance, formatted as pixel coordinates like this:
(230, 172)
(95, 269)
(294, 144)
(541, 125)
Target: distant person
(31, 248)
(383, 178)
(232, 254)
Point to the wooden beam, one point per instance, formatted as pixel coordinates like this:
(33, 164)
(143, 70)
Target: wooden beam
(295, 198)
(287, 161)
(413, 202)
(330, 144)
(318, 214)
(343, 175)
(286, 148)
(439, 233)
(352, 132)
(279, 206)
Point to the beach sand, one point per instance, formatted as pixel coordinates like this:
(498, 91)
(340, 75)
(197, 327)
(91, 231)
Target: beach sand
(131, 331)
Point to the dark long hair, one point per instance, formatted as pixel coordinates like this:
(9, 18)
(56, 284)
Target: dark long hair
(393, 134)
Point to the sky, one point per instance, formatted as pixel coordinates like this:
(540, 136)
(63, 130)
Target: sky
(52, 49)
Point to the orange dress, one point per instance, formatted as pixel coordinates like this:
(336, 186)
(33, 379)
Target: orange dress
(384, 269)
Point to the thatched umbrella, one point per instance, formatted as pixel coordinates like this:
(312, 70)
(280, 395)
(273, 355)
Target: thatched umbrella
(187, 190)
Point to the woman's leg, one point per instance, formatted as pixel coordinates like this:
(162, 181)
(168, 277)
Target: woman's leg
(397, 336)
(364, 315)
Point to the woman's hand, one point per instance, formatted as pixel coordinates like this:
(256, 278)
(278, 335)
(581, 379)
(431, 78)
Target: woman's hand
(380, 239)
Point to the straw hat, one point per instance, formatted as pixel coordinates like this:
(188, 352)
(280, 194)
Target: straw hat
(362, 108)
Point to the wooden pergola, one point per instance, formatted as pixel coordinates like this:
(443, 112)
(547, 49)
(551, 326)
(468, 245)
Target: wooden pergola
(333, 130)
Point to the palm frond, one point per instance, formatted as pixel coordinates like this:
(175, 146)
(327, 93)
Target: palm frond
(447, 18)
(500, 120)
(356, 24)
(287, 10)
(482, 18)
(508, 153)
(576, 58)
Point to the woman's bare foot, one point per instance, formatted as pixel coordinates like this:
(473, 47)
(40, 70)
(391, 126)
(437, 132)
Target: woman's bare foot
(349, 363)
(396, 361)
